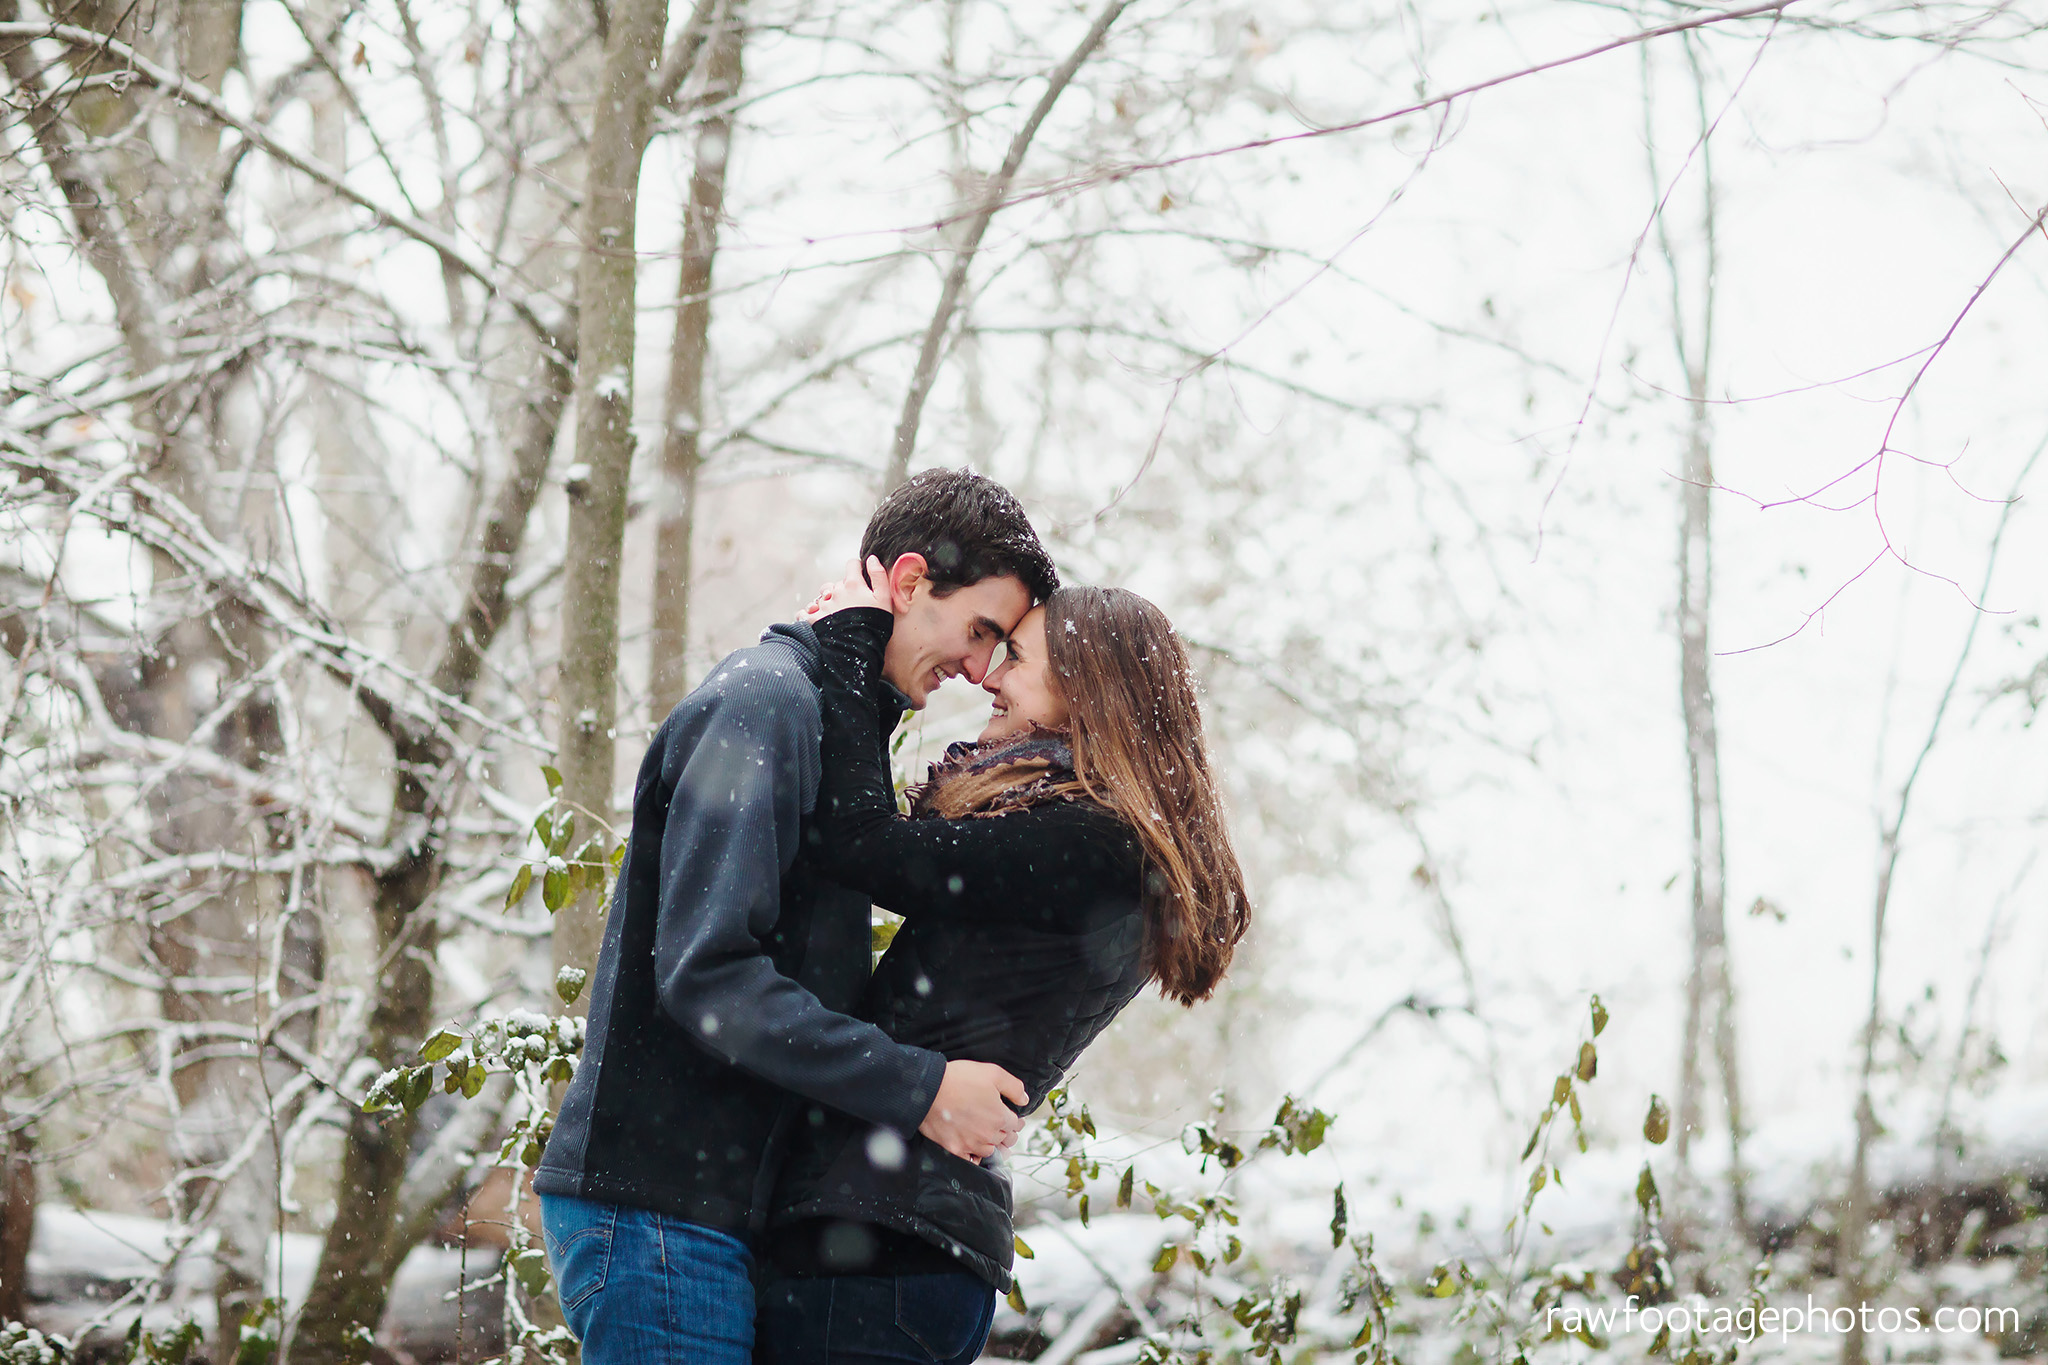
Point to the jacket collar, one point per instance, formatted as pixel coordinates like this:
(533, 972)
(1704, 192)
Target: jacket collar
(800, 640)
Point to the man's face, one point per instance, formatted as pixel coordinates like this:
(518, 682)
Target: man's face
(953, 636)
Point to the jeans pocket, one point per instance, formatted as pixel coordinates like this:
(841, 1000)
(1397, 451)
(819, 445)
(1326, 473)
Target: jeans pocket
(947, 1315)
(579, 1245)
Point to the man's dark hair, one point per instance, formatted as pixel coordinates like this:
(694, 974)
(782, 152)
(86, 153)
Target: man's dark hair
(966, 526)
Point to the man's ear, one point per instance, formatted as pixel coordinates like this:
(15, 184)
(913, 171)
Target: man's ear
(904, 575)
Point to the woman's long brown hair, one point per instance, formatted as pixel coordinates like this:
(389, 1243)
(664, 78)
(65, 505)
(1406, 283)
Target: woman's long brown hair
(1138, 749)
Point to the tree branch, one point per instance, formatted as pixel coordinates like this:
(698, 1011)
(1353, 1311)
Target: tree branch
(977, 224)
(525, 304)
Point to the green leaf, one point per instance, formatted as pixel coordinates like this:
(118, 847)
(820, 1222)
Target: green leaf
(1163, 1262)
(1646, 1189)
(257, 1343)
(1599, 1016)
(382, 1095)
(559, 1069)
(1589, 1062)
(1123, 1187)
(473, 1081)
(618, 857)
(531, 1269)
(1340, 1217)
(419, 1084)
(1015, 1298)
(554, 890)
(1560, 1090)
(553, 777)
(564, 830)
(1441, 1283)
(1657, 1123)
(1023, 1247)
(522, 882)
(569, 983)
(440, 1045)
(1084, 1210)
(174, 1348)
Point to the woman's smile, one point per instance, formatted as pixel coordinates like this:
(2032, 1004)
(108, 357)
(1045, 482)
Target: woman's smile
(1021, 687)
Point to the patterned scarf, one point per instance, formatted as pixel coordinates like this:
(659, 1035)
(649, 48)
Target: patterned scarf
(1002, 775)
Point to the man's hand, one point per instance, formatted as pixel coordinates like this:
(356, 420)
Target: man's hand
(969, 1118)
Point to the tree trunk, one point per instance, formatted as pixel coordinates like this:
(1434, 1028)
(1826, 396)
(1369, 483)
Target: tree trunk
(683, 413)
(1710, 990)
(605, 276)
(17, 1218)
(1710, 985)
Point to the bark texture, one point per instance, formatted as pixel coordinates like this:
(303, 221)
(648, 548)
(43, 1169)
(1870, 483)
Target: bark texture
(17, 1219)
(683, 412)
(597, 483)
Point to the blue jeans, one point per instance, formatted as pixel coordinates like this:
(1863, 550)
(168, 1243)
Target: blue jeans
(643, 1288)
(858, 1319)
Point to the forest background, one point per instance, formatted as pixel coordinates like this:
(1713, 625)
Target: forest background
(1587, 446)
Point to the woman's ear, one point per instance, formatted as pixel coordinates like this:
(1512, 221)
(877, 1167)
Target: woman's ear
(904, 575)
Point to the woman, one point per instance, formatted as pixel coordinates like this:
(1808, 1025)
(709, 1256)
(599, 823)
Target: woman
(1046, 873)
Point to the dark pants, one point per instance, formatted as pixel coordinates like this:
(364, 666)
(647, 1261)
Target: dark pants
(855, 1319)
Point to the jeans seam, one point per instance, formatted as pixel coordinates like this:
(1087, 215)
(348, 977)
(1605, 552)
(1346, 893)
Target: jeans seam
(671, 1320)
(606, 1229)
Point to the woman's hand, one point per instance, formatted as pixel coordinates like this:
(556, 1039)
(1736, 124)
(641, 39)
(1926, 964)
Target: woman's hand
(854, 590)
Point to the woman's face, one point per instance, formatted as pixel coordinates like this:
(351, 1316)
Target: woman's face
(1022, 684)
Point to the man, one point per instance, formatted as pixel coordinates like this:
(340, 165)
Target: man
(729, 968)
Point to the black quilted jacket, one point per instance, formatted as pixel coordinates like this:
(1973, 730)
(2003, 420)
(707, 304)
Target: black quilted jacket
(1023, 938)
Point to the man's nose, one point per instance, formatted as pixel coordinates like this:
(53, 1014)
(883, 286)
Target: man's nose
(975, 665)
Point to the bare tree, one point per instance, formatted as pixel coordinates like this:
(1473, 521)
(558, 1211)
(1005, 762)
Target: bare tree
(975, 225)
(17, 1219)
(606, 273)
(1710, 988)
(682, 423)
(1852, 1240)
(238, 962)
